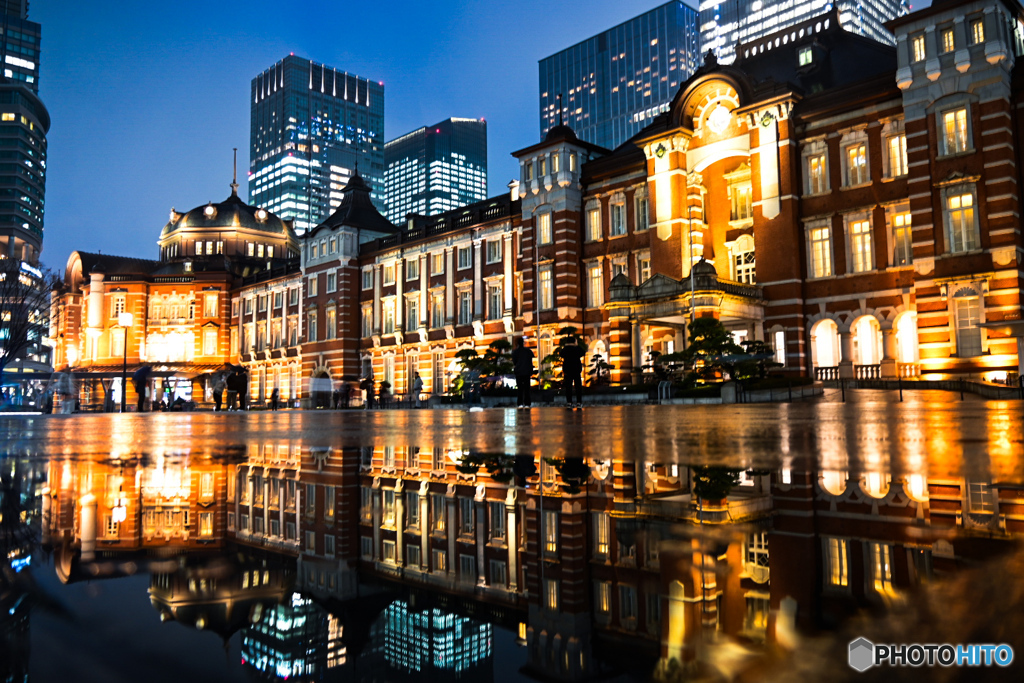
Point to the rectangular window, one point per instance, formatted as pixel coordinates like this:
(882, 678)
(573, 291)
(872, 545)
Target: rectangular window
(857, 164)
(595, 285)
(741, 203)
(493, 251)
(293, 296)
(837, 563)
(437, 384)
(117, 342)
(495, 306)
(962, 229)
(954, 129)
(365, 504)
(311, 285)
(388, 551)
(498, 520)
(117, 306)
(388, 274)
(437, 310)
(311, 326)
(465, 257)
(388, 316)
(437, 263)
(550, 532)
(881, 568)
(412, 555)
(465, 307)
(902, 239)
(412, 313)
(437, 512)
(544, 235)
(388, 520)
(780, 347)
(946, 40)
(917, 47)
(618, 226)
(542, 167)
(367, 321)
(366, 548)
(744, 267)
(594, 224)
(440, 559)
(311, 542)
(627, 604)
(412, 509)
(210, 305)
(642, 217)
(259, 251)
(329, 546)
(278, 299)
(331, 320)
(547, 298)
(980, 497)
(805, 56)
(862, 258)
(368, 278)
(412, 269)
(897, 155)
(602, 533)
(758, 609)
(551, 594)
(467, 567)
(499, 574)
(210, 342)
(968, 334)
(603, 597)
(332, 281)
(466, 516)
(329, 502)
(820, 252)
(816, 174)
(977, 31)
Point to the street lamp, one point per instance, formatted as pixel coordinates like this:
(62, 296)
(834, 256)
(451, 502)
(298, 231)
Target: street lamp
(125, 321)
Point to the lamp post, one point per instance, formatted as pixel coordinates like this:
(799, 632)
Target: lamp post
(125, 321)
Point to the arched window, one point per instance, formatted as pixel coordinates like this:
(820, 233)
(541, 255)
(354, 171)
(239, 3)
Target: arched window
(825, 344)
(742, 261)
(967, 316)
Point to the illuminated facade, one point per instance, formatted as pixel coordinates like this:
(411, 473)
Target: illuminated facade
(724, 24)
(311, 127)
(613, 84)
(436, 168)
(19, 45)
(179, 305)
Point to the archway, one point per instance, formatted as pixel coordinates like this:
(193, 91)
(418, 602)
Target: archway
(320, 389)
(825, 344)
(867, 341)
(906, 338)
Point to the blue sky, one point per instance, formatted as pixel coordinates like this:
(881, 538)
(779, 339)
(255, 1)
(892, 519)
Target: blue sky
(148, 98)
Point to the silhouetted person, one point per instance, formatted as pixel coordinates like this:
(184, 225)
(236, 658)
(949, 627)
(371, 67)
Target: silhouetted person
(522, 363)
(218, 392)
(572, 371)
(346, 394)
(417, 387)
(275, 398)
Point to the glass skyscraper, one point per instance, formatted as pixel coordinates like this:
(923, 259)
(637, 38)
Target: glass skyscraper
(436, 168)
(724, 23)
(614, 83)
(311, 126)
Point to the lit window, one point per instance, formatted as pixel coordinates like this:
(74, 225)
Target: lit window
(642, 219)
(917, 45)
(954, 128)
(643, 267)
(602, 533)
(437, 264)
(594, 224)
(331, 324)
(977, 31)
(544, 235)
(743, 262)
(465, 307)
(493, 251)
(368, 279)
(805, 56)
(948, 44)
(389, 317)
(412, 312)
(897, 155)
(311, 289)
(860, 246)
(210, 342)
(494, 302)
(820, 252)
(389, 274)
(740, 200)
(465, 258)
(547, 299)
(210, 305)
(550, 532)
(780, 347)
(816, 174)
(902, 238)
(961, 226)
(412, 269)
(968, 334)
(551, 594)
(837, 563)
(857, 164)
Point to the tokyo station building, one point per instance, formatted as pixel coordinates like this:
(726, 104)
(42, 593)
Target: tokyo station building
(852, 204)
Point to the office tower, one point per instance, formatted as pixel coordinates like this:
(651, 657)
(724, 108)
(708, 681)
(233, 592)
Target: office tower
(612, 84)
(19, 44)
(311, 127)
(726, 23)
(436, 168)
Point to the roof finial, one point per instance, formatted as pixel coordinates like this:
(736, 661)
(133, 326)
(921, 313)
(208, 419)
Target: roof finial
(560, 109)
(234, 175)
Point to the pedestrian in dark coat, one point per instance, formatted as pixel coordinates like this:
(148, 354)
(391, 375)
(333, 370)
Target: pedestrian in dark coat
(522, 363)
(572, 371)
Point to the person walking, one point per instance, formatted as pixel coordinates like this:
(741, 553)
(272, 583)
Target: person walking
(275, 398)
(218, 392)
(572, 371)
(522, 364)
(417, 387)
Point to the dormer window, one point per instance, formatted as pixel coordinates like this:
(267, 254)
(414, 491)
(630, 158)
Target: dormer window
(555, 163)
(917, 46)
(948, 44)
(805, 56)
(542, 167)
(529, 171)
(977, 31)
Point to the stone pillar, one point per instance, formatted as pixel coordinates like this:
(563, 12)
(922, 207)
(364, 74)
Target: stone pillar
(266, 504)
(449, 289)
(451, 530)
(424, 265)
(889, 366)
(636, 350)
(424, 525)
(399, 301)
(281, 498)
(399, 524)
(512, 541)
(298, 511)
(377, 514)
(507, 260)
(846, 370)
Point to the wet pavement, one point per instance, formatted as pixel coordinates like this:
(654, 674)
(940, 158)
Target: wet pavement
(627, 542)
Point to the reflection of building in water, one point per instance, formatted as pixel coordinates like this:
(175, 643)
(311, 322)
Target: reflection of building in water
(293, 640)
(17, 537)
(434, 641)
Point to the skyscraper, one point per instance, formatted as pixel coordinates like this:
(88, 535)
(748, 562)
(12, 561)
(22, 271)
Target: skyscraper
(612, 84)
(311, 126)
(726, 23)
(19, 45)
(436, 168)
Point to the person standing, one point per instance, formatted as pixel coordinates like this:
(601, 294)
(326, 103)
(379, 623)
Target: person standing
(275, 398)
(572, 371)
(218, 392)
(417, 387)
(522, 364)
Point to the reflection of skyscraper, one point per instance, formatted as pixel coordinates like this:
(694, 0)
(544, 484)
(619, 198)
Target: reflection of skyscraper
(311, 125)
(296, 640)
(435, 641)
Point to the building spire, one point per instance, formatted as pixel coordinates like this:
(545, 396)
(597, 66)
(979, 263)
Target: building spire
(234, 175)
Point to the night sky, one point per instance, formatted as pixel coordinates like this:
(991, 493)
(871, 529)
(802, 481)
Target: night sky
(148, 98)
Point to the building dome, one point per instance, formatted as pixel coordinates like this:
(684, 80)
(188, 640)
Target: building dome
(232, 213)
(561, 132)
(704, 267)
